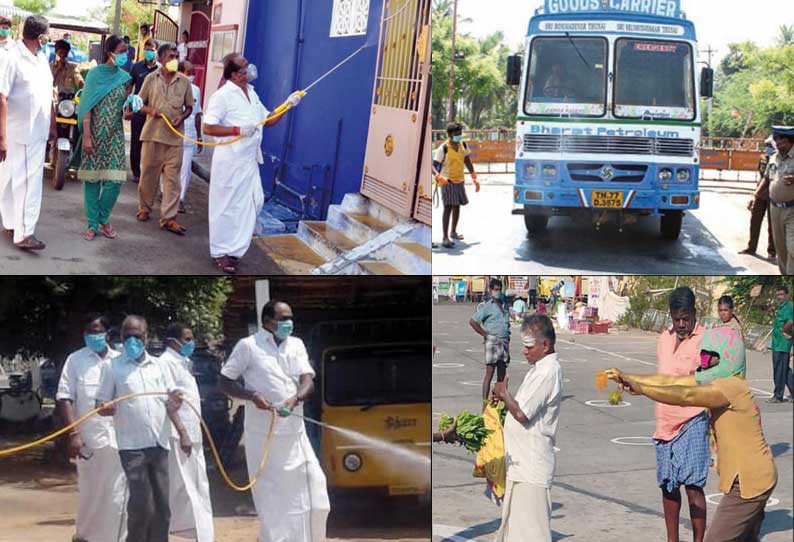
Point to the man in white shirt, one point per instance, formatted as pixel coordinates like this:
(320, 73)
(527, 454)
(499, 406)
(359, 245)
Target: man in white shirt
(143, 430)
(5, 33)
(291, 497)
(192, 130)
(236, 195)
(27, 121)
(101, 483)
(191, 508)
(530, 433)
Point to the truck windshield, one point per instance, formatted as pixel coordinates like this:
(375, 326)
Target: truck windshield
(653, 79)
(567, 76)
(377, 375)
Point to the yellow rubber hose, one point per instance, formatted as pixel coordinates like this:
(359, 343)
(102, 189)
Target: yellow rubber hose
(277, 113)
(22, 447)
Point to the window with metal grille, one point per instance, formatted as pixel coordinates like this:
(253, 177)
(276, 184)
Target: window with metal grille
(349, 18)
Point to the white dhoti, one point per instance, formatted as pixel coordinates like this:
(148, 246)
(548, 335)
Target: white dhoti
(291, 497)
(526, 513)
(189, 494)
(188, 151)
(102, 504)
(21, 177)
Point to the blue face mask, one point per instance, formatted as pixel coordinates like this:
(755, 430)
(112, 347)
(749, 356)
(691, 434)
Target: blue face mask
(498, 296)
(149, 55)
(5, 32)
(97, 342)
(188, 348)
(133, 347)
(251, 72)
(457, 139)
(121, 59)
(283, 329)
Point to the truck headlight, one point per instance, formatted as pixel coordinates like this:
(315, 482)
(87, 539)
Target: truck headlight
(665, 174)
(66, 108)
(352, 462)
(683, 175)
(530, 170)
(549, 171)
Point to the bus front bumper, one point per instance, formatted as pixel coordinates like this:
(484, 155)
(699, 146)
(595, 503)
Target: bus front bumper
(561, 201)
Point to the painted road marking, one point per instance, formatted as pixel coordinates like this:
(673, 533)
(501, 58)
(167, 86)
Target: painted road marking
(607, 352)
(448, 365)
(603, 403)
(641, 441)
(450, 534)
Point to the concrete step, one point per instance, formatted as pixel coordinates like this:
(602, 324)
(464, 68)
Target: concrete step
(359, 227)
(409, 257)
(358, 204)
(370, 267)
(290, 253)
(324, 239)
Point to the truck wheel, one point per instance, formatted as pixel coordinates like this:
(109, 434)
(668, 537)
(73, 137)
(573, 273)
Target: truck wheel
(671, 225)
(59, 169)
(535, 223)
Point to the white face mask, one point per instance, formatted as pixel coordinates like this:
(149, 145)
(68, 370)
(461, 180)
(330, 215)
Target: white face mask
(191, 78)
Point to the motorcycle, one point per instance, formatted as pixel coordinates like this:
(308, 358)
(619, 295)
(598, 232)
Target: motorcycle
(66, 127)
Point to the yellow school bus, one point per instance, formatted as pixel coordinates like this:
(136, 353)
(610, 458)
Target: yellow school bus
(374, 379)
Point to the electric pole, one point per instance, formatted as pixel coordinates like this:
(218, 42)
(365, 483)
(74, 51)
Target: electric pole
(451, 104)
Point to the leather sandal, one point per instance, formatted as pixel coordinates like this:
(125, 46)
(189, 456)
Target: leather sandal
(226, 265)
(30, 243)
(107, 230)
(142, 216)
(174, 227)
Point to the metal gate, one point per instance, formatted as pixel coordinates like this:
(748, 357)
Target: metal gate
(198, 47)
(165, 28)
(398, 116)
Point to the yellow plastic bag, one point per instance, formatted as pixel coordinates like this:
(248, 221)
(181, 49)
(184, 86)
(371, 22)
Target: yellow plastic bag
(490, 460)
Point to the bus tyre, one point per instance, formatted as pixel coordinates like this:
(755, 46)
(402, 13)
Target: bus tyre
(671, 224)
(535, 223)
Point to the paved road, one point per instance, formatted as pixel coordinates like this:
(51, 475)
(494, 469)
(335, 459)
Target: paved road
(602, 491)
(140, 248)
(497, 241)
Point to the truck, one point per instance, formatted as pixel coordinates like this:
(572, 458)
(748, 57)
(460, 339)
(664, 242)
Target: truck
(608, 125)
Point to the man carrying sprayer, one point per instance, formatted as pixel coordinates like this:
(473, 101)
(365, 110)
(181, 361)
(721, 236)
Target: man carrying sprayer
(236, 195)
(290, 497)
(492, 323)
(745, 464)
(101, 483)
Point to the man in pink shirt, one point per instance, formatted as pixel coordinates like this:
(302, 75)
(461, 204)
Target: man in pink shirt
(681, 437)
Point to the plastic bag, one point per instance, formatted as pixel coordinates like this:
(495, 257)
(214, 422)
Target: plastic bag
(490, 460)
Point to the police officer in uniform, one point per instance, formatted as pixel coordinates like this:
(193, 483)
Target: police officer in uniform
(780, 173)
(759, 206)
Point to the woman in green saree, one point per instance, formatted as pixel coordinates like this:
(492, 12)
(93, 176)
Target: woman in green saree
(103, 162)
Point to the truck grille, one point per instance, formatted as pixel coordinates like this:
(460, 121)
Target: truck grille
(578, 144)
(623, 173)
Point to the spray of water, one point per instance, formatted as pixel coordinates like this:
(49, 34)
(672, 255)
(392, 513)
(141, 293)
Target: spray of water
(392, 451)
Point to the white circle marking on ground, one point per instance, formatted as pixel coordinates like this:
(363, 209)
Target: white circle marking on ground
(566, 380)
(603, 403)
(715, 499)
(447, 365)
(642, 441)
(472, 383)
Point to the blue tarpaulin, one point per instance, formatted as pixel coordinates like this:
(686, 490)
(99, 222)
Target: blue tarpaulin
(316, 154)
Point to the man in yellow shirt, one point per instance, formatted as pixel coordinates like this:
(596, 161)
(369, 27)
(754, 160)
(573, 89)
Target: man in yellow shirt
(745, 464)
(448, 162)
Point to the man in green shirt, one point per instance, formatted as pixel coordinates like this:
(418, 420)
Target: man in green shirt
(781, 346)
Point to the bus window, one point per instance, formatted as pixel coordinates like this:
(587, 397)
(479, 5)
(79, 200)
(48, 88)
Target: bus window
(377, 375)
(654, 78)
(567, 76)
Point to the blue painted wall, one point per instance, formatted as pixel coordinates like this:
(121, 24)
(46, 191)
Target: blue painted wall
(325, 146)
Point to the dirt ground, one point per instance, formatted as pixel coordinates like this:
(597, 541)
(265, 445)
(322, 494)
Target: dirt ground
(38, 500)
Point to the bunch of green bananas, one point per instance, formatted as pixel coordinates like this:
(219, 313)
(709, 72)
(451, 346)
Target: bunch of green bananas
(470, 429)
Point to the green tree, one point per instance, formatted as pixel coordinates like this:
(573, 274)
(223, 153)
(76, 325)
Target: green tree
(786, 35)
(45, 314)
(38, 7)
(133, 15)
